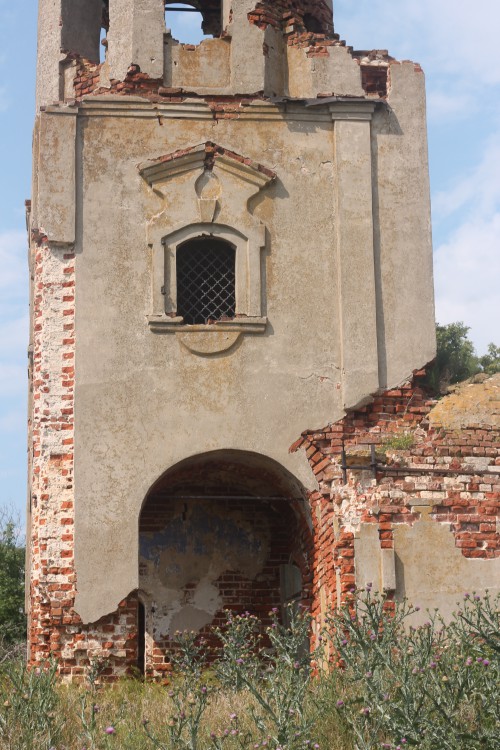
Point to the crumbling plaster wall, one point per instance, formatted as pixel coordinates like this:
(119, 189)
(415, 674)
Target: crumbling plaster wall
(344, 219)
(133, 378)
(425, 525)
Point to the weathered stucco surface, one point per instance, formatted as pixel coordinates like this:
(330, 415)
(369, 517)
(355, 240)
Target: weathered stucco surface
(310, 159)
(445, 539)
(305, 367)
(424, 566)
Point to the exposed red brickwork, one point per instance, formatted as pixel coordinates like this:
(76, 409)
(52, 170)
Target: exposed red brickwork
(87, 82)
(289, 542)
(54, 628)
(455, 472)
(297, 19)
(374, 64)
(213, 152)
(374, 79)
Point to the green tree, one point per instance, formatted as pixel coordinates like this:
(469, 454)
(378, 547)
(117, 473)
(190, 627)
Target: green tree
(490, 362)
(12, 619)
(455, 360)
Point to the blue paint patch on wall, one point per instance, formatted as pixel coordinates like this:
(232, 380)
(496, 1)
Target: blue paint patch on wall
(199, 533)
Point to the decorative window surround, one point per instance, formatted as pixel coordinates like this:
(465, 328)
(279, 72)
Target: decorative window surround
(217, 199)
(248, 316)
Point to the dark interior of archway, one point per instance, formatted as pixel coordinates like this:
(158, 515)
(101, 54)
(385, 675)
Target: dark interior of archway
(229, 524)
(228, 473)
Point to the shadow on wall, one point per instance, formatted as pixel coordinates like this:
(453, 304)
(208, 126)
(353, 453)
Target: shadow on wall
(221, 530)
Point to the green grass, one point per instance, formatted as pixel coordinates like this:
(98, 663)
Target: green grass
(388, 685)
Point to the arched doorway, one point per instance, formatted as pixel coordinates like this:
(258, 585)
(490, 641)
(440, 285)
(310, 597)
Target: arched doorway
(223, 530)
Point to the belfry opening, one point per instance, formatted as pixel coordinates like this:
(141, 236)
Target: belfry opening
(222, 531)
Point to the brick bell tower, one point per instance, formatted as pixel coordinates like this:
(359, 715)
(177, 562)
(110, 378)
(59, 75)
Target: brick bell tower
(230, 244)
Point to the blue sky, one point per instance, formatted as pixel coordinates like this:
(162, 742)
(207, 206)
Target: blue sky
(455, 42)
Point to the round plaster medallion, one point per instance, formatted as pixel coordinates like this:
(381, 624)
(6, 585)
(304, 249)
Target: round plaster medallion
(208, 342)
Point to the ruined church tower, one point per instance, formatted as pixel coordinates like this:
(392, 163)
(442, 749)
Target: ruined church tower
(230, 245)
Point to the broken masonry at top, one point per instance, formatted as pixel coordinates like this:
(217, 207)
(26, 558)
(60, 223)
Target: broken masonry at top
(254, 45)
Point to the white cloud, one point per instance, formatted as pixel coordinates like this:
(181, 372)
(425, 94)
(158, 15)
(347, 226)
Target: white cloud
(443, 104)
(478, 191)
(467, 273)
(451, 37)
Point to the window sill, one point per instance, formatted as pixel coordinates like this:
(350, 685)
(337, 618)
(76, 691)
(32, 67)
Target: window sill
(165, 324)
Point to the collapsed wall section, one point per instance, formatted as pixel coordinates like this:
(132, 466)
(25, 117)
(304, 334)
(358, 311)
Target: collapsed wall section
(275, 49)
(409, 496)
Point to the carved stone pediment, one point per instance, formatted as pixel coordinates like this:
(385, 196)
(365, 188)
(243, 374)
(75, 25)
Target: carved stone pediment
(206, 190)
(208, 157)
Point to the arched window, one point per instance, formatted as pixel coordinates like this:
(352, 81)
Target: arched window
(206, 281)
(187, 20)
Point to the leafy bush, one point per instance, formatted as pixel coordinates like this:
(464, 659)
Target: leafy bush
(29, 702)
(375, 681)
(456, 359)
(12, 552)
(432, 686)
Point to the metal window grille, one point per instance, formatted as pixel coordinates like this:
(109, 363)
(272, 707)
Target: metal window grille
(206, 281)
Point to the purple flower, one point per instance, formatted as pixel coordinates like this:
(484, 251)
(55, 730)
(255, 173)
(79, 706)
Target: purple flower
(239, 662)
(110, 730)
(433, 665)
(486, 662)
(204, 689)
(233, 716)
(340, 704)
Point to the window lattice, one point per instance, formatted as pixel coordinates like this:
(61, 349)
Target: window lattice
(206, 281)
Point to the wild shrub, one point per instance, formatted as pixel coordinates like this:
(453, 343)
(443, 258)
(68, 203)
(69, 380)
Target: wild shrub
(29, 707)
(430, 686)
(375, 681)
